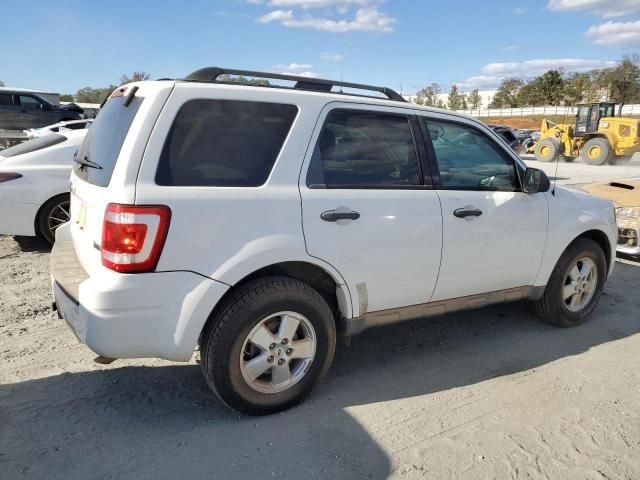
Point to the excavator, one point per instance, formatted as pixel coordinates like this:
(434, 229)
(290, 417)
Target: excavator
(597, 135)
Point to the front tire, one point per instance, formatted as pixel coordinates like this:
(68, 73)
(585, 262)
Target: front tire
(547, 150)
(267, 345)
(575, 285)
(53, 213)
(596, 151)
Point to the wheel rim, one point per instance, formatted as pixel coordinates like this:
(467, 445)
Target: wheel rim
(594, 152)
(580, 284)
(544, 150)
(278, 352)
(58, 216)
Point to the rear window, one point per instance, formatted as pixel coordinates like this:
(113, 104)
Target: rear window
(104, 140)
(224, 143)
(33, 145)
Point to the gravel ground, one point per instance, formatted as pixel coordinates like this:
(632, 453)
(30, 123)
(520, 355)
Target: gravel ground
(488, 394)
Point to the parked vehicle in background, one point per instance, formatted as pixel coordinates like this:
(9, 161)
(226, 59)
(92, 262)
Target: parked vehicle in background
(508, 134)
(20, 111)
(625, 194)
(59, 127)
(262, 222)
(34, 184)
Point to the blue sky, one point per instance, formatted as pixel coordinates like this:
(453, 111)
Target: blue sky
(67, 44)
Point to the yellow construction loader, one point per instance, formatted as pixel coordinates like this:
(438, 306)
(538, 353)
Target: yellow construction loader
(597, 135)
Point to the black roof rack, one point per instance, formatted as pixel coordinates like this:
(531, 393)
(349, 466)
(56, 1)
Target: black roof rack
(210, 74)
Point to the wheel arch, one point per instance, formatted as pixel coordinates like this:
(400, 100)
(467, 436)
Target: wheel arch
(36, 220)
(601, 239)
(335, 293)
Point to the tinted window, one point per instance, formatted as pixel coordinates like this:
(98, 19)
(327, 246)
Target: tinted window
(468, 159)
(104, 140)
(364, 149)
(33, 145)
(30, 103)
(5, 99)
(224, 143)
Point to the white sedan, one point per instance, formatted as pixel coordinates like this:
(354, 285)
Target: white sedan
(60, 127)
(34, 184)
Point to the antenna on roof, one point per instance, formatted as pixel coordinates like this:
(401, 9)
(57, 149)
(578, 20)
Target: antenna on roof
(344, 58)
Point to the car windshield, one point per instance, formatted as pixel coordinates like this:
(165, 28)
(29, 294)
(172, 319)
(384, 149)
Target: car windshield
(33, 145)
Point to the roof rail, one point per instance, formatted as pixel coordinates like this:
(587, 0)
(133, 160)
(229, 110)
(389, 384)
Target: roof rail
(211, 74)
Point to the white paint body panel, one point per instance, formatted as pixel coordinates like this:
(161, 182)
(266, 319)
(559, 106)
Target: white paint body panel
(500, 249)
(45, 174)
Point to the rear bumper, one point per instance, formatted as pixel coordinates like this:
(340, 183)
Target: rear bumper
(18, 218)
(131, 315)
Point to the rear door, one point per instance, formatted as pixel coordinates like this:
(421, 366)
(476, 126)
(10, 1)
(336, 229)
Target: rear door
(368, 206)
(494, 234)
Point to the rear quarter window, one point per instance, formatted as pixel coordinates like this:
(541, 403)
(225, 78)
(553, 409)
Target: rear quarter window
(224, 143)
(33, 145)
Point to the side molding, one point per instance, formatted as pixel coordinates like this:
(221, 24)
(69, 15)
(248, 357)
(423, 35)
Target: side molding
(357, 325)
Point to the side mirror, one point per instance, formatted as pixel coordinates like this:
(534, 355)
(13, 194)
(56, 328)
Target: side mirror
(535, 181)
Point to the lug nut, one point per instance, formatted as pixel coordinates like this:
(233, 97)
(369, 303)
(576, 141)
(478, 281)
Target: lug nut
(270, 359)
(272, 346)
(284, 341)
(281, 362)
(289, 351)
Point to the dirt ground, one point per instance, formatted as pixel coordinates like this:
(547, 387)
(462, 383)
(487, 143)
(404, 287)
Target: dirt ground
(486, 394)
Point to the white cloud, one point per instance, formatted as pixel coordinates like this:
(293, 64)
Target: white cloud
(616, 34)
(530, 68)
(519, 11)
(494, 73)
(300, 69)
(332, 57)
(480, 81)
(367, 19)
(307, 4)
(606, 8)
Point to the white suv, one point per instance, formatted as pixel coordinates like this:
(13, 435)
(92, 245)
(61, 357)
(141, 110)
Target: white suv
(259, 222)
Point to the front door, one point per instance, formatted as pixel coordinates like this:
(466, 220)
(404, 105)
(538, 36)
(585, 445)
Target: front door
(494, 234)
(368, 208)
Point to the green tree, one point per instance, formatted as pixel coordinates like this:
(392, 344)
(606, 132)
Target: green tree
(66, 97)
(454, 101)
(475, 100)
(580, 87)
(546, 89)
(623, 81)
(507, 94)
(464, 105)
(135, 77)
(428, 95)
(93, 95)
(1, 83)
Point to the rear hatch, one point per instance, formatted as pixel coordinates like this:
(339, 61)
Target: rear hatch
(108, 160)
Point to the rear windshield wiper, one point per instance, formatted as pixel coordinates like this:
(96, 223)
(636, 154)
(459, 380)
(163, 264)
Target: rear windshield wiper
(85, 162)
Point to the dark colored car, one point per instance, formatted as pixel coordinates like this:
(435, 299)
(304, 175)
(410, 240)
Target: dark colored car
(509, 135)
(22, 110)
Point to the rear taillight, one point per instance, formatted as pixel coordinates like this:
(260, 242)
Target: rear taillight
(133, 236)
(6, 176)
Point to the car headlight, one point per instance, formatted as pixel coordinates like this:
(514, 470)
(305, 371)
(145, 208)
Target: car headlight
(630, 213)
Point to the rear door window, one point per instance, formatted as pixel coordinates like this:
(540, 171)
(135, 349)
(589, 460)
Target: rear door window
(104, 140)
(5, 99)
(358, 149)
(224, 143)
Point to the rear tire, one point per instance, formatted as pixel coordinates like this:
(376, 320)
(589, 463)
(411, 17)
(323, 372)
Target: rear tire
(242, 348)
(570, 282)
(53, 213)
(596, 151)
(547, 150)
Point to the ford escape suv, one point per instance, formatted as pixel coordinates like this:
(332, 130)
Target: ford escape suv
(259, 221)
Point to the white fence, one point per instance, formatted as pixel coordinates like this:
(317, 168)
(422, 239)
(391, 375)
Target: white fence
(538, 111)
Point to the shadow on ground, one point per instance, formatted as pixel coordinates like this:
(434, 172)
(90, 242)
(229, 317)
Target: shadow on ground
(32, 244)
(162, 422)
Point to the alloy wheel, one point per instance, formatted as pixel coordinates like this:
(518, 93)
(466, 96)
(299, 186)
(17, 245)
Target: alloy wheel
(580, 284)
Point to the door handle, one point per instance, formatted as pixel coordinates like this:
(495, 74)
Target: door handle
(334, 215)
(467, 212)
